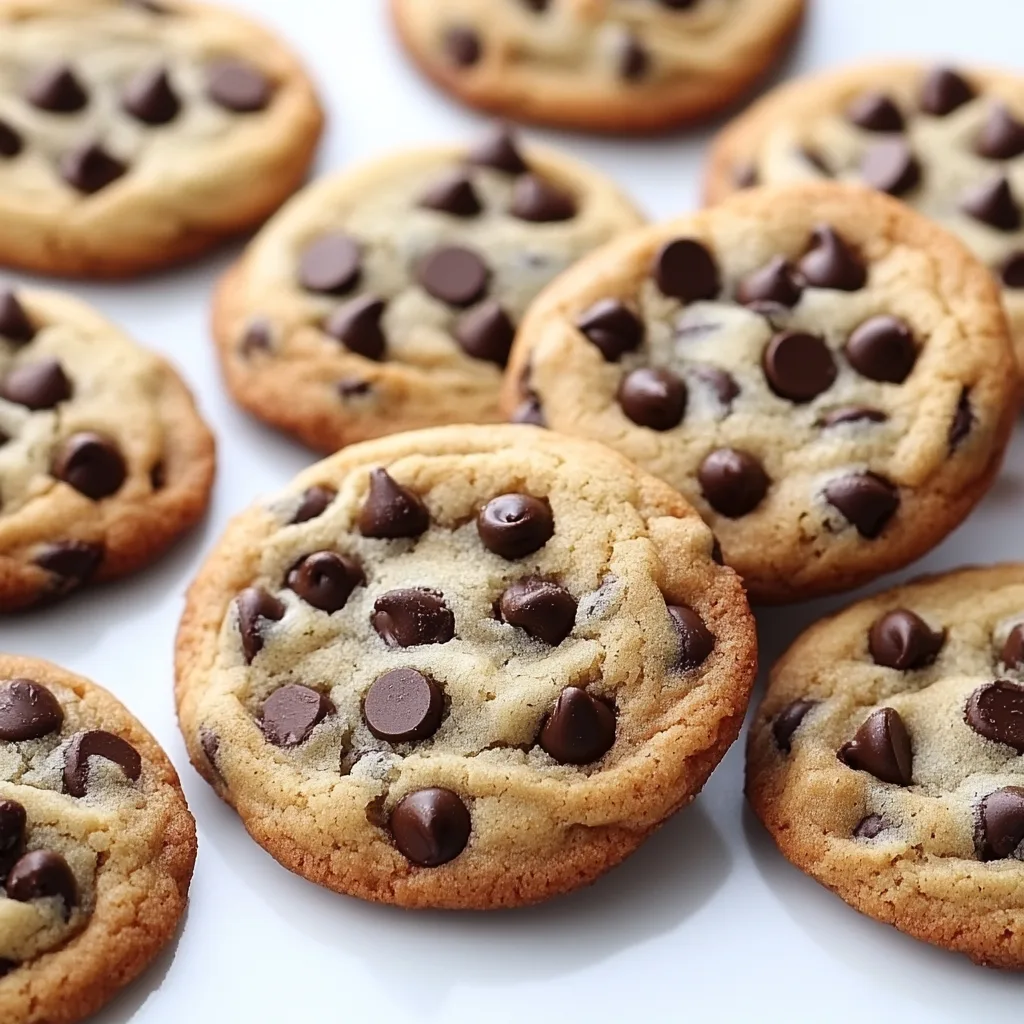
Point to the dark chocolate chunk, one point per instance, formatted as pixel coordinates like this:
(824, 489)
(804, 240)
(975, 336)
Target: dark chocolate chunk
(413, 617)
(996, 711)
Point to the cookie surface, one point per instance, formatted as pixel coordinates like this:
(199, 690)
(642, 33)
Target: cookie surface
(609, 65)
(885, 759)
(104, 459)
(467, 667)
(134, 134)
(386, 298)
(97, 845)
(949, 142)
(827, 376)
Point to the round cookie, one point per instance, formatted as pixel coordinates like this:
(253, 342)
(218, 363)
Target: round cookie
(949, 142)
(386, 298)
(138, 133)
(603, 65)
(468, 667)
(104, 460)
(97, 845)
(885, 759)
(825, 374)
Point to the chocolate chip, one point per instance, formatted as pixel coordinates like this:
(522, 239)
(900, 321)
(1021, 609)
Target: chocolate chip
(14, 322)
(158, 476)
(540, 202)
(799, 366)
(326, 580)
(486, 333)
(97, 743)
(12, 835)
(210, 742)
(92, 464)
(1001, 821)
(875, 112)
(580, 728)
(403, 706)
(775, 282)
(6, 966)
(787, 721)
(723, 384)
(870, 827)
(745, 175)
(634, 59)
(330, 265)
(963, 421)
(257, 338)
(453, 274)
(315, 502)
(882, 349)
(28, 710)
(357, 325)
(815, 159)
(391, 511)
(151, 98)
(733, 482)
(74, 561)
(37, 386)
(1012, 271)
(238, 86)
(413, 617)
(685, 270)
(537, 6)
(852, 414)
(430, 827)
(902, 640)
(1012, 655)
(462, 46)
(499, 151)
(891, 167)
(1002, 137)
(881, 747)
(944, 91)
(829, 263)
(353, 387)
(996, 711)
(11, 142)
(58, 90)
(291, 713)
(42, 874)
(613, 327)
(529, 412)
(543, 609)
(90, 168)
(993, 203)
(867, 500)
(696, 641)
(453, 194)
(515, 525)
(256, 606)
(654, 398)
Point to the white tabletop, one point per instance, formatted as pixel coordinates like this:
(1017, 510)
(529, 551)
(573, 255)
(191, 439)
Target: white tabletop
(707, 922)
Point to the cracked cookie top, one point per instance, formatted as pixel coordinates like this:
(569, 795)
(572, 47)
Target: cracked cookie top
(463, 667)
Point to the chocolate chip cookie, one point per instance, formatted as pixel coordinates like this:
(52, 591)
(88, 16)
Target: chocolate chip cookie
(386, 298)
(96, 845)
(886, 759)
(104, 460)
(603, 65)
(950, 142)
(137, 133)
(827, 375)
(466, 667)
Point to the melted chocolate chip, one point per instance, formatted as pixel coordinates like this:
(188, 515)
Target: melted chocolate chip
(28, 711)
(882, 349)
(403, 706)
(829, 263)
(391, 511)
(97, 743)
(902, 640)
(315, 502)
(993, 203)
(870, 827)
(453, 194)
(462, 46)
(541, 202)
(486, 333)
(1002, 137)
(881, 747)
(326, 580)
(580, 728)
(357, 325)
(696, 641)
(11, 142)
(291, 713)
(944, 91)
(996, 711)
(775, 282)
(256, 606)
(799, 366)
(787, 721)
(867, 500)
(515, 525)
(75, 562)
(430, 827)
(852, 414)
(613, 327)
(963, 421)
(92, 464)
(875, 112)
(90, 168)
(684, 269)
(891, 167)
(330, 265)
(238, 86)
(653, 398)
(543, 609)
(1001, 823)
(453, 274)
(1012, 654)
(413, 617)
(499, 151)
(151, 98)
(733, 482)
(41, 874)
(15, 324)
(57, 90)
(37, 386)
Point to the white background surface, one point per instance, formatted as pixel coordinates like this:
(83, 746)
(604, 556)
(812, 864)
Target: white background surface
(707, 922)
